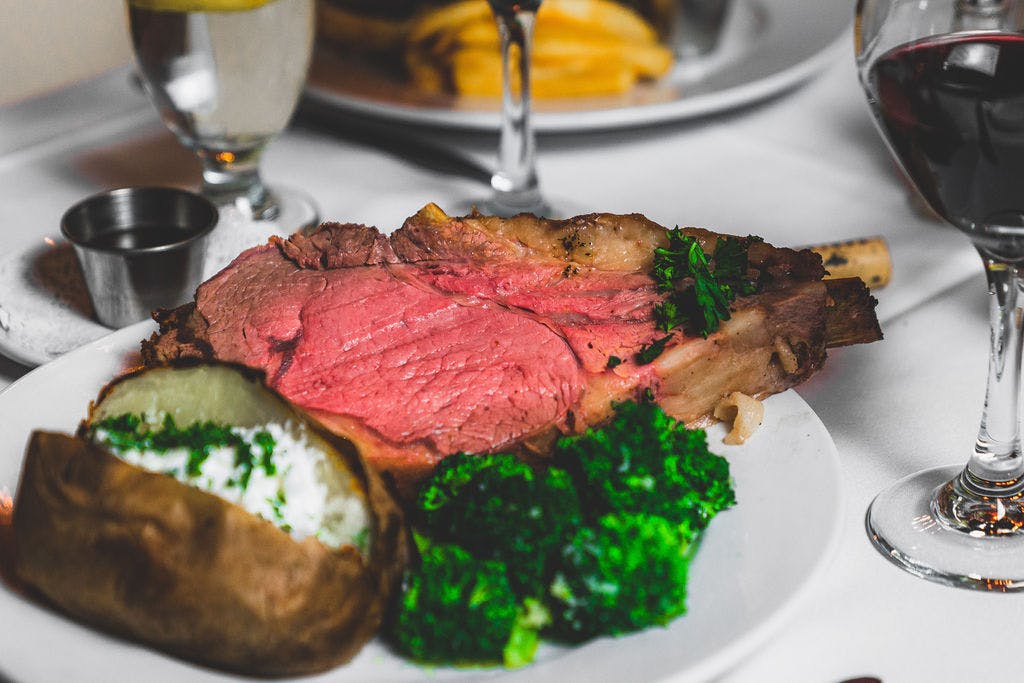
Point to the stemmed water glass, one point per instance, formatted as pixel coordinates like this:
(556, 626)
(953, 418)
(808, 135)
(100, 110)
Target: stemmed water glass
(515, 187)
(945, 81)
(226, 76)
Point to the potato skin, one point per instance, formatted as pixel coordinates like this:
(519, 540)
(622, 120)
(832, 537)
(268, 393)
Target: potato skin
(147, 557)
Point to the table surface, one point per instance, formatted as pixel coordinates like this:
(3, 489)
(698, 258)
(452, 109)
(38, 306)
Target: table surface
(805, 167)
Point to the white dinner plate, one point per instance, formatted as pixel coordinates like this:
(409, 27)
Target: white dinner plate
(755, 563)
(766, 46)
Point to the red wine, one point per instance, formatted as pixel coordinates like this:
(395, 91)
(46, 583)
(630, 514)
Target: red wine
(953, 111)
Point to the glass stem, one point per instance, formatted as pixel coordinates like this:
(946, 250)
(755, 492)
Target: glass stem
(986, 498)
(515, 183)
(234, 178)
(997, 456)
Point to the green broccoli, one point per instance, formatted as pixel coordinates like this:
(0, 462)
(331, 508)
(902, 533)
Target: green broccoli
(507, 552)
(457, 609)
(500, 508)
(644, 461)
(626, 573)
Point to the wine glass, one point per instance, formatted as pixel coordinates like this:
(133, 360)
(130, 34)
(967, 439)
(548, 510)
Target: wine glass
(226, 76)
(945, 81)
(515, 188)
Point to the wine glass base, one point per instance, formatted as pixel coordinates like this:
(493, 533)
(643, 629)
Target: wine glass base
(556, 209)
(902, 526)
(500, 206)
(238, 230)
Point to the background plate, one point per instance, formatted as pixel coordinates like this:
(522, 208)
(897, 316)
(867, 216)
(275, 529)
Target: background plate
(766, 47)
(755, 562)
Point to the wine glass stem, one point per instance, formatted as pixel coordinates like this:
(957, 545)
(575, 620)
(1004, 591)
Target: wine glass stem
(997, 457)
(987, 497)
(515, 182)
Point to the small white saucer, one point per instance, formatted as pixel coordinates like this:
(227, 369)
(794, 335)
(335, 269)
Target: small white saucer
(44, 307)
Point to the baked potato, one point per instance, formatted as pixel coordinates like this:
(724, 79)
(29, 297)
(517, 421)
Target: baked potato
(147, 556)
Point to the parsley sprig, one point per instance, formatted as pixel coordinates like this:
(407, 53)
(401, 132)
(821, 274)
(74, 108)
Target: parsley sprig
(697, 294)
(649, 352)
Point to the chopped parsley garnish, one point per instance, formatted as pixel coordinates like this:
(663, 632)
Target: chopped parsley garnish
(697, 294)
(361, 539)
(649, 352)
(613, 362)
(245, 460)
(129, 432)
(266, 443)
(276, 503)
(667, 315)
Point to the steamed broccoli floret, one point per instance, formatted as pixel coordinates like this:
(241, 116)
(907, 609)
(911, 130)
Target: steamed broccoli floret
(644, 461)
(624, 574)
(522, 642)
(500, 508)
(459, 609)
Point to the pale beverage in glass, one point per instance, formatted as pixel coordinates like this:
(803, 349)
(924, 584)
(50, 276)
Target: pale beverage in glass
(226, 76)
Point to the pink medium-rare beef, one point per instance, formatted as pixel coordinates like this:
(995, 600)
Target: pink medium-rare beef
(482, 334)
(599, 296)
(239, 327)
(601, 315)
(418, 367)
(408, 363)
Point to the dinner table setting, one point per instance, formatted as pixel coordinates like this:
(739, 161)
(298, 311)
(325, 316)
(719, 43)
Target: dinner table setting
(860, 548)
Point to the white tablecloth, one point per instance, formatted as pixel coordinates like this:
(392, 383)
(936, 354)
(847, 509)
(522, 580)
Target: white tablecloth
(806, 167)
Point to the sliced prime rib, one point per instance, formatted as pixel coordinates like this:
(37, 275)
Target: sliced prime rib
(481, 334)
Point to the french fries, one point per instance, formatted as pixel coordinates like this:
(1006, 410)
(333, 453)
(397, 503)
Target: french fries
(343, 26)
(581, 47)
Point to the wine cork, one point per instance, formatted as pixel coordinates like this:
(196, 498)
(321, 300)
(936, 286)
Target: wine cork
(866, 258)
